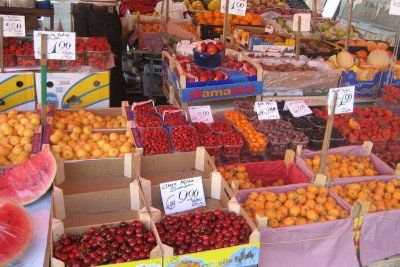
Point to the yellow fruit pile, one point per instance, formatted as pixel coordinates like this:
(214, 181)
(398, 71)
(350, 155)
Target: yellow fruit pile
(381, 195)
(239, 173)
(82, 143)
(16, 132)
(67, 120)
(303, 206)
(339, 166)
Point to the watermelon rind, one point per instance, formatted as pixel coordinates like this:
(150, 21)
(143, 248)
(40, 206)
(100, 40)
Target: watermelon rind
(16, 230)
(30, 180)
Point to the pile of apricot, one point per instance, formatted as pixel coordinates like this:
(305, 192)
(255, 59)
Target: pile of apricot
(302, 206)
(339, 166)
(381, 195)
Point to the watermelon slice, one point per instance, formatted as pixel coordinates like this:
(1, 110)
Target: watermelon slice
(30, 180)
(15, 232)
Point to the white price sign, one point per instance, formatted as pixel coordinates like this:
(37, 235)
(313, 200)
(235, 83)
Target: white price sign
(298, 108)
(305, 22)
(269, 29)
(201, 114)
(345, 99)
(236, 7)
(267, 110)
(60, 45)
(13, 26)
(394, 7)
(182, 195)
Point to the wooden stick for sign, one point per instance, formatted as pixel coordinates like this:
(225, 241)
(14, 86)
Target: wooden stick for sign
(314, 15)
(1, 45)
(396, 47)
(43, 76)
(327, 137)
(225, 27)
(298, 37)
(351, 6)
(167, 14)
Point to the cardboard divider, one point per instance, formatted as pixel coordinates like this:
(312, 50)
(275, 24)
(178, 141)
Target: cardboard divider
(94, 193)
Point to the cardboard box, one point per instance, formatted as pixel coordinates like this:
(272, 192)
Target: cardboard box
(124, 111)
(97, 192)
(153, 170)
(77, 90)
(17, 90)
(370, 89)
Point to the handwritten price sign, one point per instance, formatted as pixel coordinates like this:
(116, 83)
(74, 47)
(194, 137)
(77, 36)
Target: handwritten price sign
(394, 7)
(298, 108)
(182, 195)
(267, 110)
(236, 7)
(305, 22)
(13, 26)
(60, 45)
(201, 114)
(345, 100)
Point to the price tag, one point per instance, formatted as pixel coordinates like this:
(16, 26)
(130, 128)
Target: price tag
(201, 114)
(60, 45)
(305, 22)
(345, 100)
(394, 7)
(269, 29)
(13, 26)
(267, 110)
(298, 108)
(182, 195)
(236, 7)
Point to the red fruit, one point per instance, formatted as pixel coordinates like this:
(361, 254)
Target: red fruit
(220, 127)
(202, 47)
(184, 138)
(220, 46)
(148, 121)
(143, 109)
(203, 78)
(212, 143)
(161, 109)
(155, 141)
(211, 48)
(232, 143)
(174, 119)
(201, 128)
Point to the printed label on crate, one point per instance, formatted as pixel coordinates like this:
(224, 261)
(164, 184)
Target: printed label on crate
(267, 110)
(201, 114)
(394, 7)
(305, 22)
(13, 26)
(182, 195)
(236, 7)
(17, 91)
(345, 99)
(243, 255)
(140, 263)
(198, 94)
(363, 88)
(298, 108)
(76, 90)
(60, 45)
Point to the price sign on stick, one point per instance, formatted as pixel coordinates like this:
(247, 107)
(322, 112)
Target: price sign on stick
(345, 99)
(394, 7)
(13, 26)
(267, 110)
(305, 22)
(298, 108)
(236, 7)
(60, 45)
(182, 195)
(201, 114)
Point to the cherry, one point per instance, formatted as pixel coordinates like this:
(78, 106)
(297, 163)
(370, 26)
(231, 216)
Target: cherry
(155, 141)
(220, 127)
(143, 109)
(148, 121)
(212, 143)
(160, 109)
(232, 143)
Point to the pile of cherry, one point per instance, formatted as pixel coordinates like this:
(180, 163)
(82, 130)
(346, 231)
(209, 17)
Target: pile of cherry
(199, 230)
(106, 244)
(165, 128)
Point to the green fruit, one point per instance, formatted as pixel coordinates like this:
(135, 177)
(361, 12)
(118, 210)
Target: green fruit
(280, 22)
(326, 26)
(340, 33)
